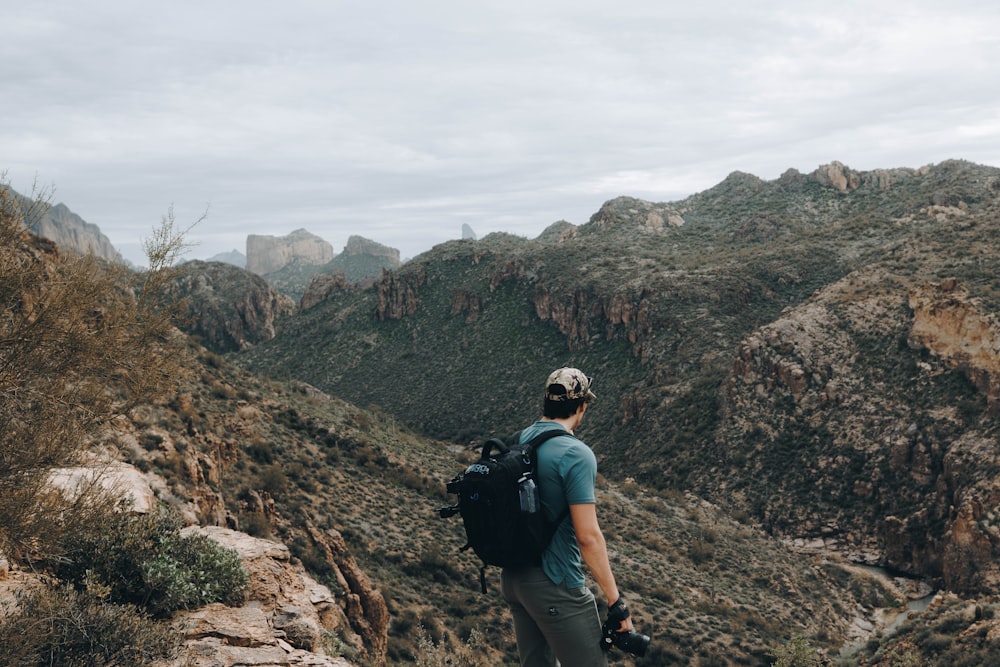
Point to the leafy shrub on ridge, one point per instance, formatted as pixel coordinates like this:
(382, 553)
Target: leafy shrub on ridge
(145, 561)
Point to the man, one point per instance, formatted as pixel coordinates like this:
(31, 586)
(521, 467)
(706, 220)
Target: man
(555, 614)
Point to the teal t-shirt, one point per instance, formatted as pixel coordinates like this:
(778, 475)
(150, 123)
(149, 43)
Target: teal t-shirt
(567, 473)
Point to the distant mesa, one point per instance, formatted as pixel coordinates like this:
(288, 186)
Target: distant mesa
(289, 263)
(267, 254)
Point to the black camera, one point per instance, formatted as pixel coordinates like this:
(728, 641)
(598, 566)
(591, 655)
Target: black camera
(629, 641)
(632, 642)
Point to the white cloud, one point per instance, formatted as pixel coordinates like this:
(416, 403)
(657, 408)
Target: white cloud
(403, 120)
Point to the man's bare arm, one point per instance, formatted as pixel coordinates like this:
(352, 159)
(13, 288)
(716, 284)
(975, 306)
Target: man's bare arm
(594, 550)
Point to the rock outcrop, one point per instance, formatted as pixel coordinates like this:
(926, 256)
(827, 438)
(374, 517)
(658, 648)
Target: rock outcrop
(637, 213)
(959, 330)
(559, 231)
(361, 263)
(397, 294)
(267, 254)
(321, 287)
(228, 308)
(362, 603)
(285, 622)
(116, 477)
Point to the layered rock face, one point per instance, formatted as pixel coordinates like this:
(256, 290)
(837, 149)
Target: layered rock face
(267, 254)
(397, 294)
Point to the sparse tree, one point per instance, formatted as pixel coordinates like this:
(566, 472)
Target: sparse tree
(81, 341)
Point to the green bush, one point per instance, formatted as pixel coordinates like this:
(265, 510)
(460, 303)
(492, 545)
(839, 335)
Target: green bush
(145, 561)
(192, 571)
(74, 628)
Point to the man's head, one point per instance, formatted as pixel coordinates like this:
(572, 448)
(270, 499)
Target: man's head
(565, 391)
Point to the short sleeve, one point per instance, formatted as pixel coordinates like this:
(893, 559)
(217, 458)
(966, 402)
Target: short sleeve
(578, 468)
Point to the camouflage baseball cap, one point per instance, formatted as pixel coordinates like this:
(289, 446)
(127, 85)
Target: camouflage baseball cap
(567, 384)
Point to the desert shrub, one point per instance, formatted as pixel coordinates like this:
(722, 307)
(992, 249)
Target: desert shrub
(191, 571)
(145, 561)
(273, 480)
(442, 653)
(700, 551)
(83, 340)
(257, 524)
(797, 653)
(73, 628)
(261, 451)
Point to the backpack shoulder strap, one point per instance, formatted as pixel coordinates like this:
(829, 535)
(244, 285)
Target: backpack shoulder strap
(533, 445)
(547, 434)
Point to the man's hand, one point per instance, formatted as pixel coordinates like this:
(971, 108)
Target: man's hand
(625, 638)
(618, 612)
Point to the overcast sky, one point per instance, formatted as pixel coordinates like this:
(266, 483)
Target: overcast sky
(400, 120)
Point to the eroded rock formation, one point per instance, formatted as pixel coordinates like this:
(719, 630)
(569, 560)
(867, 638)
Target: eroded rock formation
(397, 294)
(72, 232)
(284, 622)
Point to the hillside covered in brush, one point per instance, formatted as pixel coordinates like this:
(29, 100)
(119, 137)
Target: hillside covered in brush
(820, 351)
(796, 379)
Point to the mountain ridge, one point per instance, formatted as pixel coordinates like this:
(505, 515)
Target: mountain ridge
(786, 382)
(658, 312)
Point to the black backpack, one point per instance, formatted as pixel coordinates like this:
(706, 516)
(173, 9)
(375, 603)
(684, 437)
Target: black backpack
(489, 500)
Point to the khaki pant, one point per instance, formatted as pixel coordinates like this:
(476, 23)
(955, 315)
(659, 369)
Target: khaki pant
(554, 625)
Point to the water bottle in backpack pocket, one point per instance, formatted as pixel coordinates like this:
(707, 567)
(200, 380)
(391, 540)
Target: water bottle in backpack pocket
(527, 492)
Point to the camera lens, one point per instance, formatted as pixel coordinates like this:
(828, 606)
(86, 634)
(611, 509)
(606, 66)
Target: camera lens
(632, 642)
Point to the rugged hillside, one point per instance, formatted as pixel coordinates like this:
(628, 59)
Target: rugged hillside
(769, 345)
(228, 308)
(892, 462)
(351, 559)
(289, 463)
